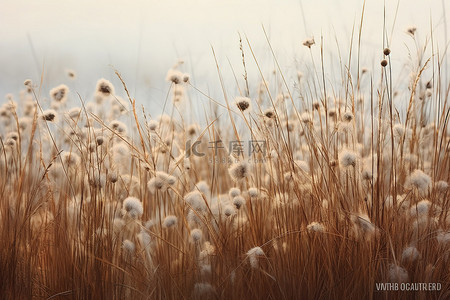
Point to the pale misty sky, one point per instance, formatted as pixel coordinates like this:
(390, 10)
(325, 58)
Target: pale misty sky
(143, 39)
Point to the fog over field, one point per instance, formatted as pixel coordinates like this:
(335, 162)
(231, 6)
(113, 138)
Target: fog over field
(143, 39)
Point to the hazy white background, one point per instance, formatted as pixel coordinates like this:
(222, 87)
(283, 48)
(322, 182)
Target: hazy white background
(143, 39)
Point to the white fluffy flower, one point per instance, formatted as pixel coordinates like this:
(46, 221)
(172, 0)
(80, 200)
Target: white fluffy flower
(161, 182)
(306, 118)
(421, 209)
(118, 127)
(253, 192)
(238, 201)
(397, 274)
(239, 170)
(420, 181)
(170, 221)
(347, 116)
(104, 88)
(229, 210)
(208, 250)
(153, 125)
(441, 186)
(174, 76)
(144, 239)
(234, 192)
(364, 224)
(347, 158)
(128, 246)
(133, 207)
(315, 227)
(243, 103)
(443, 237)
(195, 200)
(49, 115)
(59, 93)
(203, 187)
(309, 42)
(196, 235)
(253, 255)
(410, 254)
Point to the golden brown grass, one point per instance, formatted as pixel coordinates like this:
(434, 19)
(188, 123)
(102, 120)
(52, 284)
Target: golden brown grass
(329, 160)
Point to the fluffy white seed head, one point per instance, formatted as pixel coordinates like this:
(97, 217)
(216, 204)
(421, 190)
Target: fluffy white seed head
(239, 170)
(75, 113)
(104, 88)
(389, 202)
(411, 30)
(348, 158)
(420, 181)
(13, 135)
(144, 239)
(153, 125)
(269, 113)
(128, 246)
(71, 159)
(410, 254)
(234, 192)
(441, 186)
(196, 235)
(397, 274)
(243, 103)
(99, 140)
(253, 255)
(364, 224)
(195, 200)
(421, 209)
(192, 130)
(238, 201)
(71, 74)
(315, 227)
(205, 270)
(186, 77)
(174, 76)
(170, 221)
(229, 210)
(113, 177)
(348, 117)
(120, 106)
(171, 180)
(133, 207)
(253, 192)
(49, 115)
(161, 182)
(59, 93)
(208, 249)
(367, 172)
(118, 225)
(118, 127)
(120, 150)
(203, 187)
(443, 237)
(306, 118)
(309, 42)
(332, 113)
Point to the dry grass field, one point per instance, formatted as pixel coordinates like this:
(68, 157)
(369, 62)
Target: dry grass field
(311, 190)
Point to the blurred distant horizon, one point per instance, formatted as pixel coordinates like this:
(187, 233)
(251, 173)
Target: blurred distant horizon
(144, 39)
